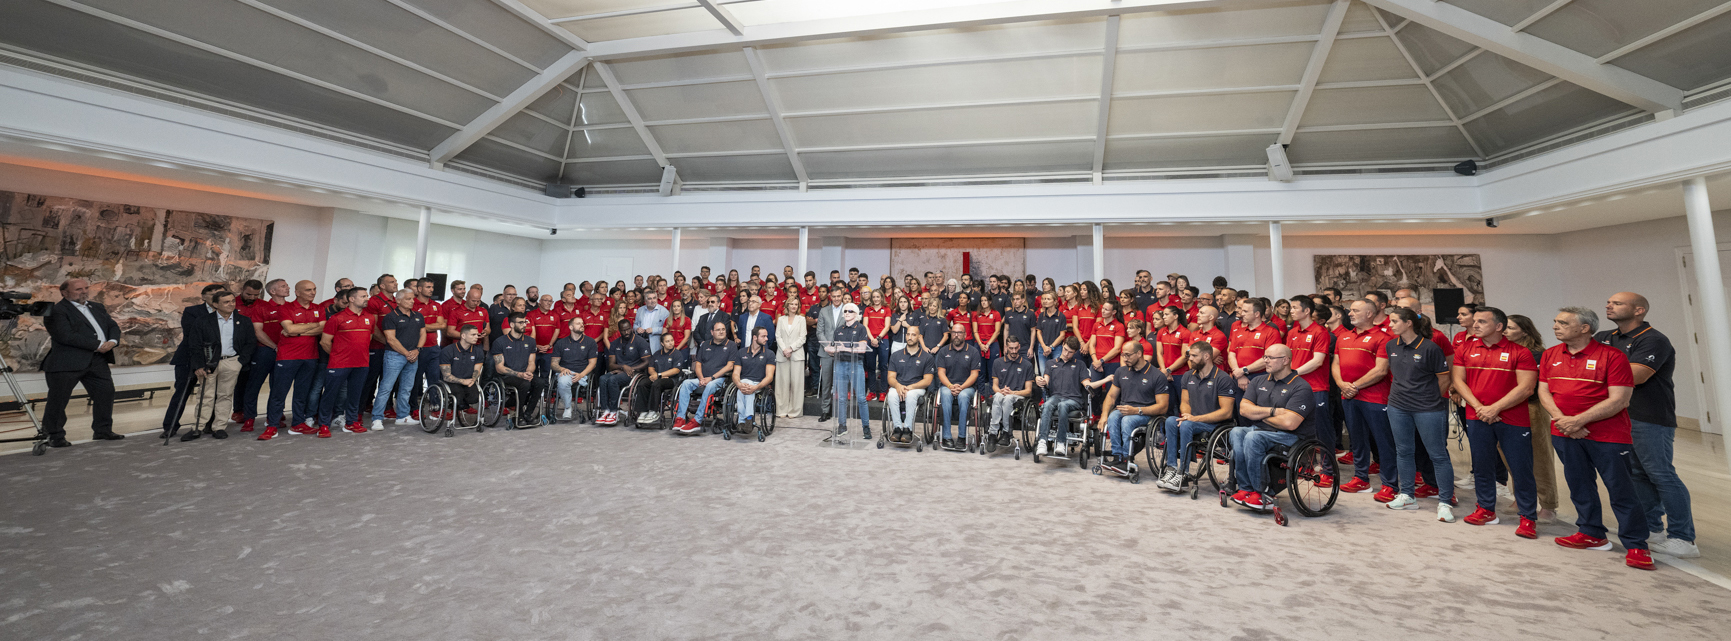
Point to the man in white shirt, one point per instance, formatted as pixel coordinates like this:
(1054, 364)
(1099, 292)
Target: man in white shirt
(651, 318)
(217, 344)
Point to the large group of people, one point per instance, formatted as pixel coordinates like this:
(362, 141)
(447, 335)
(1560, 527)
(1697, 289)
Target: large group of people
(1371, 378)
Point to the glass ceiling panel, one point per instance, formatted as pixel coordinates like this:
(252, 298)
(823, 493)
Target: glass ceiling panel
(1484, 80)
(533, 133)
(698, 101)
(1371, 105)
(772, 11)
(618, 172)
(724, 169)
(498, 27)
(740, 135)
(80, 37)
(1358, 59)
(1200, 113)
(688, 66)
(1006, 80)
(1379, 145)
(641, 25)
(1197, 25)
(247, 31)
(599, 108)
(1556, 109)
(1173, 153)
(951, 161)
(1213, 68)
(1430, 48)
(1509, 12)
(967, 123)
(568, 8)
(945, 44)
(511, 160)
(1597, 27)
(394, 29)
(1689, 59)
(1359, 18)
(603, 143)
(557, 103)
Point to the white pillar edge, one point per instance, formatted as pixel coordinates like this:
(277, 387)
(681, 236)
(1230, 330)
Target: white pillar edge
(1099, 252)
(1277, 247)
(804, 248)
(677, 232)
(421, 233)
(1714, 313)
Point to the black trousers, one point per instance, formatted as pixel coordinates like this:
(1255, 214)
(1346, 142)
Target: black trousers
(467, 395)
(650, 400)
(97, 383)
(528, 391)
(177, 401)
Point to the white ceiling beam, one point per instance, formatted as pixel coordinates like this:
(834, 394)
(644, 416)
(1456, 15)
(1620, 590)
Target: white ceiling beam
(894, 22)
(635, 11)
(338, 36)
(1313, 71)
(1428, 85)
(772, 101)
(571, 129)
(422, 14)
(606, 73)
(1539, 15)
(1557, 60)
(1108, 68)
(1665, 33)
(723, 16)
(499, 113)
(535, 18)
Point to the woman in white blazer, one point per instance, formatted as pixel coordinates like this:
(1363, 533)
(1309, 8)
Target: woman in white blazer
(790, 357)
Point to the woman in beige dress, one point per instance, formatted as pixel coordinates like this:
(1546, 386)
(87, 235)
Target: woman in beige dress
(790, 358)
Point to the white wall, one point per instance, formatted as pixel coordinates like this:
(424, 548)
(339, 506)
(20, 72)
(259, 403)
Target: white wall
(362, 247)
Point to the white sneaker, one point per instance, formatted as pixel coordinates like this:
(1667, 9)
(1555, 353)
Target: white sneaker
(407, 421)
(1677, 548)
(1043, 449)
(1168, 481)
(566, 415)
(378, 424)
(1464, 482)
(1058, 451)
(1444, 513)
(1404, 502)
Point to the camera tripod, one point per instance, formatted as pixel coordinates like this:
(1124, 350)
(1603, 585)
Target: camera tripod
(28, 406)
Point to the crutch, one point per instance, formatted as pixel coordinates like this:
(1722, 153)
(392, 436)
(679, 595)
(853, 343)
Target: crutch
(198, 388)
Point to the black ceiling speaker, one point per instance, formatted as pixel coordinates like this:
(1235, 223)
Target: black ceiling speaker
(1467, 168)
(556, 190)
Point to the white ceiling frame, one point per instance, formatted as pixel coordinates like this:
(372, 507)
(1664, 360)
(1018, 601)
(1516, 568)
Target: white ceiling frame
(535, 18)
(897, 66)
(571, 130)
(723, 16)
(1539, 15)
(198, 44)
(631, 114)
(1313, 71)
(1428, 81)
(957, 143)
(422, 14)
(333, 34)
(772, 102)
(496, 115)
(639, 11)
(1538, 53)
(1108, 73)
(1664, 33)
(1443, 70)
(1511, 99)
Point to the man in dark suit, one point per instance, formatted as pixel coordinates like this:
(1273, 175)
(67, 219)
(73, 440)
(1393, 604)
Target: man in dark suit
(218, 343)
(182, 360)
(754, 317)
(83, 338)
(716, 315)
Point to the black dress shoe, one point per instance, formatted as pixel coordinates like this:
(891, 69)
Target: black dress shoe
(164, 434)
(824, 418)
(866, 432)
(220, 434)
(190, 435)
(59, 441)
(110, 436)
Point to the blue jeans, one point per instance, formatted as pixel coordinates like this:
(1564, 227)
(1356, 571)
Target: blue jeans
(690, 385)
(1661, 493)
(1249, 447)
(1181, 433)
(342, 386)
(298, 373)
(567, 383)
(894, 403)
(1050, 428)
(1516, 444)
(398, 372)
(611, 384)
(1584, 464)
(1120, 428)
(1433, 429)
(948, 403)
(849, 378)
(747, 405)
(263, 365)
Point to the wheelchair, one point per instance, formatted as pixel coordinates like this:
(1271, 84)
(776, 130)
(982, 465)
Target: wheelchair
(970, 432)
(584, 399)
(1296, 469)
(1016, 424)
(662, 406)
(919, 426)
(1077, 430)
(1199, 458)
(628, 395)
(1100, 442)
(763, 412)
(494, 396)
(439, 411)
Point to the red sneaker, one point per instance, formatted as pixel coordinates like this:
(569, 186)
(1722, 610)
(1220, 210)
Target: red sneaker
(1639, 559)
(236, 417)
(1238, 497)
(1355, 486)
(1482, 516)
(303, 428)
(1581, 541)
(1424, 491)
(1385, 494)
(246, 425)
(269, 433)
(1528, 529)
(391, 413)
(1254, 501)
(1325, 482)
(1345, 458)
(1375, 468)
(414, 415)
(324, 431)
(504, 411)
(354, 427)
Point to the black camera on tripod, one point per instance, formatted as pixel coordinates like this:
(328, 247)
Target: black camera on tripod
(15, 304)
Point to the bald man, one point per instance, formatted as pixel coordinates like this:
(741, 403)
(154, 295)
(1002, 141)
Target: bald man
(297, 360)
(1653, 424)
(1280, 407)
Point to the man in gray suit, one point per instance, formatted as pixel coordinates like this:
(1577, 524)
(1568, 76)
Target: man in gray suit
(828, 319)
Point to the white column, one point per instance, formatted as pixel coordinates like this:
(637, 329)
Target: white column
(421, 242)
(1714, 313)
(676, 233)
(804, 249)
(1275, 246)
(1099, 252)
(1240, 261)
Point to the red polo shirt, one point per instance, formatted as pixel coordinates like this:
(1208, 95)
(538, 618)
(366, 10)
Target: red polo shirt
(1490, 374)
(1357, 353)
(1105, 334)
(544, 325)
(986, 323)
(678, 328)
(1581, 380)
(958, 316)
(350, 334)
(1216, 339)
(431, 313)
(265, 312)
(1249, 344)
(876, 318)
(461, 315)
(294, 348)
(1173, 344)
(565, 316)
(594, 322)
(1306, 344)
(1082, 318)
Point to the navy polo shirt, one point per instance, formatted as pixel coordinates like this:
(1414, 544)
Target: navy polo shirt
(1065, 378)
(957, 363)
(631, 352)
(574, 354)
(1051, 326)
(407, 327)
(1013, 374)
(1291, 393)
(713, 356)
(753, 367)
(1205, 391)
(1655, 401)
(669, 359)
(932, 330)
(855, 333)
(462, 361)
(1141, 388)
(910, 368)
(1412, 370)
(1020, 325)
(517, 351)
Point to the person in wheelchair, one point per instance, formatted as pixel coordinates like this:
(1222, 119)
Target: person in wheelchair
(514, 363)
(958, 365)
(754, 372)
(1205, 402)
(910, 375)
(666, 373)
(1012, 383)
(628, 357)
(460, 367)
(574, 358)
(1139, 392)
(715, 360)
(1064, 394)
(1279, 406)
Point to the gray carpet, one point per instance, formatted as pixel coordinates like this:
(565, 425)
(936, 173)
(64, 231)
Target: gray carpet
(578, 532)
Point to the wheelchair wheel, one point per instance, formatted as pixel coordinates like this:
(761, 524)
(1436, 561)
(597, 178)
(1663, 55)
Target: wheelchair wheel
(765, 413)
(929, 407)
(434, 403)
(1217, 458)
(516, 406)
(729, 399)
(627, 398)
(1305, 467)
(1028, 421)
(492, 402)
(583, 400)
(1155, 434)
